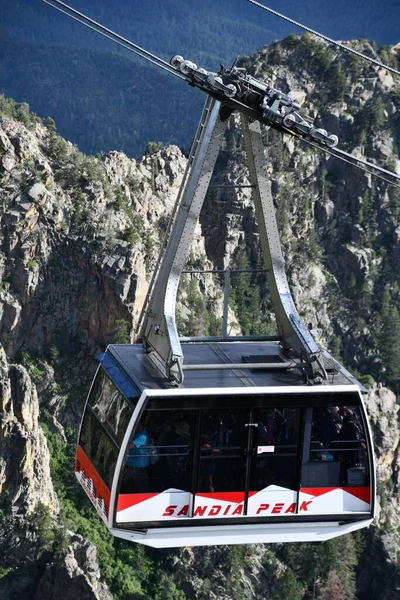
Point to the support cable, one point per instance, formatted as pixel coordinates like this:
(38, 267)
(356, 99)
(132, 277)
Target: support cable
(324, 37)
(114, 37)
(374, 170)
(72, 13)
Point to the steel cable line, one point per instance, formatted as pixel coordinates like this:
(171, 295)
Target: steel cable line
(362, 163)
(114, 37)
(357, 162)
(324, 37)
(152, 58)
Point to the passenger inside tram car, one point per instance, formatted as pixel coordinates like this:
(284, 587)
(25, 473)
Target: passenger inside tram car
(136, 474)
(277, 443)
(176, 445)
(337, 437)
(158, 457)
(209, 437)
(274, 429)
(161, 453)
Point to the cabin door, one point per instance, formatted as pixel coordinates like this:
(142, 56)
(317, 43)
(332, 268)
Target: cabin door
(248, 463)
(273, 478)
(224, 460)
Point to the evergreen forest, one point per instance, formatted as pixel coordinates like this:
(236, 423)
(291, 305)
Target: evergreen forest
(103, 98)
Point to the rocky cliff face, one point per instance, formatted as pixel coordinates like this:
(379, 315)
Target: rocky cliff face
(73, 575)
(24, 462)
(29, 507)
(338, 224)
(383, 412)
(79, 237)
(67, 270)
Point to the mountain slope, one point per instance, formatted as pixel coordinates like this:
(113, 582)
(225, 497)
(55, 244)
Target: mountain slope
(64, 70)
(79, 237)
(100, 96)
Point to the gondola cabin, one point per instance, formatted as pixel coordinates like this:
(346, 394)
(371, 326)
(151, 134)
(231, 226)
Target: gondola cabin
(247, 445)
(234, 456)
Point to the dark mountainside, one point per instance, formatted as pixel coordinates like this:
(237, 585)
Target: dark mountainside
(101, 101)
(79, 237)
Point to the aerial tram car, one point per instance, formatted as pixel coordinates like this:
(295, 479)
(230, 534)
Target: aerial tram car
(226, 440)
(236, 456)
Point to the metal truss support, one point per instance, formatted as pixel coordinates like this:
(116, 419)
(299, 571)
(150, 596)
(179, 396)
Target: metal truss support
(290, 326)
(159, 331)
(158, 326)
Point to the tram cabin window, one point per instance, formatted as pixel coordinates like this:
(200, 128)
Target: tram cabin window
(218, 448)
(221, 468)
(278, 429)
(104, 425)
(159, 453)
(110, 407)
(99, 448)
(237, 457)
(338, 452)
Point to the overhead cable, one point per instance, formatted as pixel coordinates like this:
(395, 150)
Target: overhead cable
(326, 38)
(111, 35)
(370, 168)
(360, 163)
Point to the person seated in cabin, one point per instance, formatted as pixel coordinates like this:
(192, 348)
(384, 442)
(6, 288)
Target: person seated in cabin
(324, 428)
(349, 442)
(227, 431)
(136, 476)
(274, 430)
(178, 441)
(207, 460)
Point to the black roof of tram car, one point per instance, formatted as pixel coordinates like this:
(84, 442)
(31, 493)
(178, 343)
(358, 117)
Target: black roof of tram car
(135, 365)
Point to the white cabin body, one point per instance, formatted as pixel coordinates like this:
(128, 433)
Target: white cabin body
(231, 457)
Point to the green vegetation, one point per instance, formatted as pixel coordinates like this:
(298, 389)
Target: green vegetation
(19, 111)
(249, 297)
(389, 340)
(32, 262)
(132, 236)
(85, 93)
(201, 318)
(121, 333)
(34, 365)
(367, 120)
(318, 567)
(320, 61)
(132, 571)
(5, 571)
(153, 147)
(50, 537)
(367, 302)
(287, 587)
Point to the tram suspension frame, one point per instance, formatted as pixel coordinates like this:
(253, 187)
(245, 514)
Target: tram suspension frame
(158, 329)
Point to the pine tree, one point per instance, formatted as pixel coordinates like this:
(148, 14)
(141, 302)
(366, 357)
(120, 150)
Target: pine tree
(287, 587)
(389, 341)
(333, 589)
